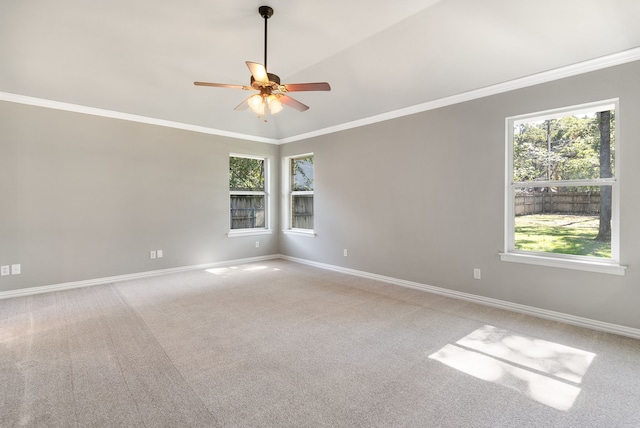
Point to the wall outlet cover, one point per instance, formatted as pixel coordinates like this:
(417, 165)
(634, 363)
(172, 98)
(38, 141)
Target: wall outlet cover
(15, 270)
(5, 270)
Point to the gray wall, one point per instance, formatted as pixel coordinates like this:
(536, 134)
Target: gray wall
(85, 197)
(450, 164)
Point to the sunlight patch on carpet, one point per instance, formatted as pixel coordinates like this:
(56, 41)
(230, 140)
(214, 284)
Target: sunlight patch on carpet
(251, 268)
(225, 271)
(547, 372)
(218, 271)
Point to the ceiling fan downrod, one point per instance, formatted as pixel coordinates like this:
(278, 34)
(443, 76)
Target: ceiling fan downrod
(266, 12)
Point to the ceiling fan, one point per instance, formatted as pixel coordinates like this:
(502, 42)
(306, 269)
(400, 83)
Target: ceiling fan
(272, 94)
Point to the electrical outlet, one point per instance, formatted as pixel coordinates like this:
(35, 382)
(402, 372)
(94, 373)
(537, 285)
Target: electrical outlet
(159, 254)
(344, 252)
(152, 254)
(15, 270)
(257, 244)
(476, 273)
(5, 270)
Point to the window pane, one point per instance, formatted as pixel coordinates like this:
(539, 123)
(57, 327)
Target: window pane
(565, 148)
(302, 211)
(247, 211)
(302, 174)
(564, 220)
(246, 174)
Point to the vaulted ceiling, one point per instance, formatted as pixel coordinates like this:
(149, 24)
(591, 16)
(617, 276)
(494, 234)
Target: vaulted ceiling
(141, 57)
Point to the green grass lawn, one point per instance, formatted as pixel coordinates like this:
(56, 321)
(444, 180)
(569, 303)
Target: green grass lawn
(565, 234)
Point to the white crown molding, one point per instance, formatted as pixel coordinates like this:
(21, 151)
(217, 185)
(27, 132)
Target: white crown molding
(612, 60)
(481, 300)
(58, 105)
(618, 58)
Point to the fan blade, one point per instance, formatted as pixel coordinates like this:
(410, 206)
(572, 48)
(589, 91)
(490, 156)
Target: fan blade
(222, 85)
(258, 72)
(285, 99)
(300, 87)
(243, 105)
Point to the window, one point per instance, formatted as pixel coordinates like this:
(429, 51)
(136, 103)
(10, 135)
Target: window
(247, 193)
(300, 171)
(562, 189)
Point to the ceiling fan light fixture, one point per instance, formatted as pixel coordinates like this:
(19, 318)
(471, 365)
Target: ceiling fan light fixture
(272, 93)
(275, 106)
(256, 103)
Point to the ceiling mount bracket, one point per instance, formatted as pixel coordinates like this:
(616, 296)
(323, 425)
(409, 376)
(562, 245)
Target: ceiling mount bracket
(265, 11)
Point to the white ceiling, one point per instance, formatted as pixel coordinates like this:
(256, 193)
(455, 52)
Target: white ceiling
(141, 57)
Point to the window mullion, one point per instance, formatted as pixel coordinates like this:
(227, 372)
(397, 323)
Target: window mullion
(553, 183)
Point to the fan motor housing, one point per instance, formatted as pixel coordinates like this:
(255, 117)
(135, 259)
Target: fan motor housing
(273, 78)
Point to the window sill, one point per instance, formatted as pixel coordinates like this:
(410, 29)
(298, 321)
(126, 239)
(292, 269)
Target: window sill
(248, 232)
(300, 232)
(610, 268)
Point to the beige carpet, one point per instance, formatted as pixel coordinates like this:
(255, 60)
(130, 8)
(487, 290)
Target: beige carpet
(279, 344)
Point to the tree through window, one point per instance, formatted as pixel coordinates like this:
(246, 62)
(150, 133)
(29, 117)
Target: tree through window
(247, 192)
(562, 183)
(301, 192)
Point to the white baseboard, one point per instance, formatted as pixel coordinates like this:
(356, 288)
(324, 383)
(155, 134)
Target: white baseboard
(119, 278)
(487, 301)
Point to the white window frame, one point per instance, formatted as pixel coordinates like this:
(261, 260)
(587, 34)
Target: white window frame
(568, 261)
(289, 194)
(267, 200)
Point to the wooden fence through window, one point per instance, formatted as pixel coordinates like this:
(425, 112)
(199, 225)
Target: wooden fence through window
(247, 211)
(578, 203)
(302, 212)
